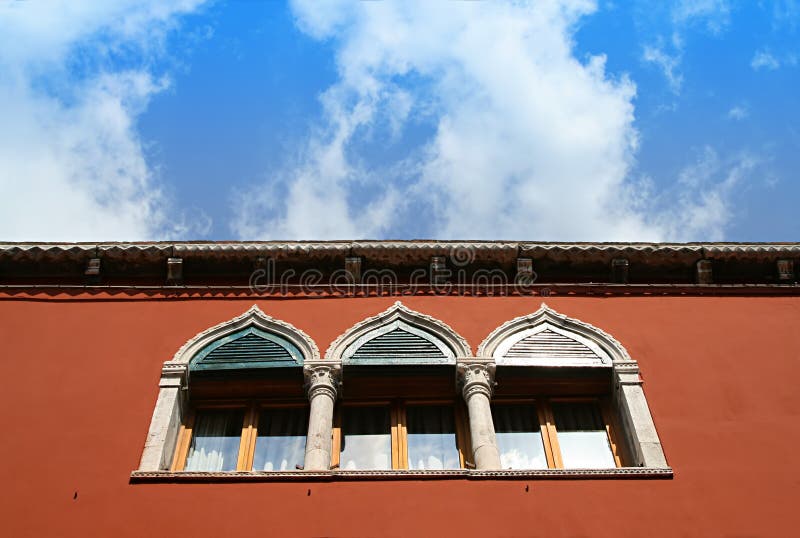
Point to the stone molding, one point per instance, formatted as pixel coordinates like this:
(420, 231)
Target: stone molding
(455, 474)
(398, 311)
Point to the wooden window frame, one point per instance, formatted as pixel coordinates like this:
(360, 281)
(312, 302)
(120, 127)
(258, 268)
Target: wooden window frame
(247, 440)
(398, 428)
(549, 432)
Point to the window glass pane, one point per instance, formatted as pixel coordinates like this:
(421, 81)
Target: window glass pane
(366, 438)
(519, 437)
(582, 436)
(215, 440)
(281, 440)
(431, 437)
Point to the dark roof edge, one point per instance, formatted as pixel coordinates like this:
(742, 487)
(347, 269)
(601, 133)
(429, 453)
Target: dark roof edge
(248, 246)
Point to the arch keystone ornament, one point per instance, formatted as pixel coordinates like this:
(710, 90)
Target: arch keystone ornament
(547, 338)
(398, 336)
(271, 342)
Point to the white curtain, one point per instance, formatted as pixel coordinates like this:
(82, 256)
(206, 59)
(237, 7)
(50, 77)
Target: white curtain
(366, 438)
(582, 436)
(431, 438)
(281, 441)
(215, 440)
(519, 437)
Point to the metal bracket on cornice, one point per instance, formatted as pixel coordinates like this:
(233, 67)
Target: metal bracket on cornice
(352, 268)
(704, 272)
(785, 270)
(174, 271)
(619, 270)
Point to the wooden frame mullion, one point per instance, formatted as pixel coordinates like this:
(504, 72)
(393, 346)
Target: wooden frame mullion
(544, 430)
(184, 440)
(247, 442)
(552, 436)
(399, 436)
(463, 442)
(608, 420)
(336, 438)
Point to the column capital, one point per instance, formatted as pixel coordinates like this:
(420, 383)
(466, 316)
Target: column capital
(475, 376)
(322, 377)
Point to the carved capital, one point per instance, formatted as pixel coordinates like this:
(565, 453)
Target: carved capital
(476, 377)
(322, 379)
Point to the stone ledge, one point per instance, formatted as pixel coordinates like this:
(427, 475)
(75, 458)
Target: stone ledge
(143, 477)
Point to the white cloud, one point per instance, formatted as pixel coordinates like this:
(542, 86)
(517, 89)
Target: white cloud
(785, 13)
(714, 14)
(72, 165)
(669, 65)
(764, 60)
(701, 203)
(527, 140)
(738, 112)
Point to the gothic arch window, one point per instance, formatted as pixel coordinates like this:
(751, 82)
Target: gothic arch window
(400, 408)
(199, 424)
(587, 409)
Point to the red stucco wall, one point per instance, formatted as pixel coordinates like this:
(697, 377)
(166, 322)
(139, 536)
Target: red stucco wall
(79, 381)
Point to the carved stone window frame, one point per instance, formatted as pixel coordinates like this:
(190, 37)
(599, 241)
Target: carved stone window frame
(171, 407)
(628, 399)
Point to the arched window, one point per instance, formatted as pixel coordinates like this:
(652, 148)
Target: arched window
(232, 399)
(399, 408)
(569, 396)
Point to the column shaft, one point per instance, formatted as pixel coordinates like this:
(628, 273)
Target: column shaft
(481, 428)
(478, 383)
(322, 384)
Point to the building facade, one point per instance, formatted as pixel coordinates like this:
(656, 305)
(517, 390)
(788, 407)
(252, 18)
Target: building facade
(399, 388)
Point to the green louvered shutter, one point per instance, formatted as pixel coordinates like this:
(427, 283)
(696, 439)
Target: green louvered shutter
(249, 348)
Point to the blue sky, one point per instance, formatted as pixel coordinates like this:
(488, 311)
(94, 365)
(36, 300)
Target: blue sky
(550, 121)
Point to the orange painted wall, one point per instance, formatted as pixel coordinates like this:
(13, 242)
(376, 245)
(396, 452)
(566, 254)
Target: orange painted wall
(79, 381)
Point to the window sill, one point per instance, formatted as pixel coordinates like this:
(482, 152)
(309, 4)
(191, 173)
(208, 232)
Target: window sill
(139, 477)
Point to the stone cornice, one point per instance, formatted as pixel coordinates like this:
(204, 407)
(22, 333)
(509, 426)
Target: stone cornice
(235, 263)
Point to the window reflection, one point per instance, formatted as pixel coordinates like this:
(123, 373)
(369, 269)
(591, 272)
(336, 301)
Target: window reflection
(582, 436)
(431, 436)
(366, 438)
(519, 437)
(281, 441)
(215, 440)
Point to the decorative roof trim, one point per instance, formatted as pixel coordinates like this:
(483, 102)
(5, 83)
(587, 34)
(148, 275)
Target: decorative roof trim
(595, 338)
(398, 311)
(328, 246)
(254, 317)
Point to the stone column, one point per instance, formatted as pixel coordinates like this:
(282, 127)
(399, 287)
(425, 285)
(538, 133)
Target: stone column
(477, 386)
(322, 386)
